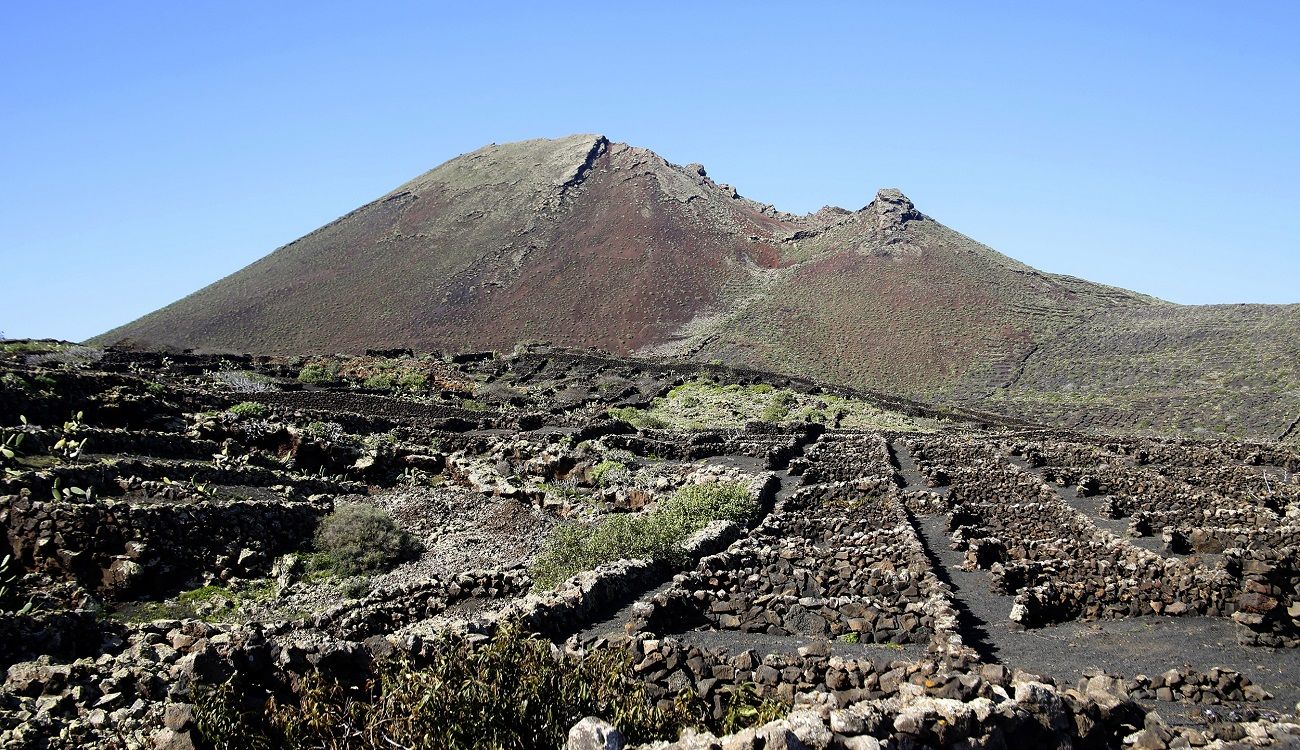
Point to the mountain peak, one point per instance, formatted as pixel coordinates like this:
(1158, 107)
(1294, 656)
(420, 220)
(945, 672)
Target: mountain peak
(892, 209)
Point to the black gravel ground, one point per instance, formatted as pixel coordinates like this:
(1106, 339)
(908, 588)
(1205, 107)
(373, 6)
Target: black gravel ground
(1128, 647)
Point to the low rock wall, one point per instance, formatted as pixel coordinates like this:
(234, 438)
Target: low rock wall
(127, 548)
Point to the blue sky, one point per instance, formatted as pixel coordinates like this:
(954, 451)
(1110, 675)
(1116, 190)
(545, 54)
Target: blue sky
(147, 149)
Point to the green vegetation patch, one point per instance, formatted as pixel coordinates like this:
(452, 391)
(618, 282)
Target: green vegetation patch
(610, 472)
(319, 373)
(401, 374)
(704, 403)
(248, 410)
(211, 602)
(639, 418)
(33, 347)
(656, 534)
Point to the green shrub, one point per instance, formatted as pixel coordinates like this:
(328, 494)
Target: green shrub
(639, 419)
(248, 410)
(327, 432)
(359, 539)
(693, 507)
(655, 534)
(413, 381)
(354, 587)
(774, 413)
(509, 692)
(319, 373)
(380, 381)
(609, 472)
(816, 415)
(469, 404)
(14, 382)
(204, 594)
(626, 414)
(32, 347)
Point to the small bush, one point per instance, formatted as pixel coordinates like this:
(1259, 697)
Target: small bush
(413, 381)
(609, 472)
(327, 432)
(360, 539)
(14, 382)
(248, 410)
(696, 506)
(625, 414)
(816, 415)
(641, 420)
(774, 413)
(380, 381)
(655, 534)
(32, 347)
(319, 373)
(204, 594)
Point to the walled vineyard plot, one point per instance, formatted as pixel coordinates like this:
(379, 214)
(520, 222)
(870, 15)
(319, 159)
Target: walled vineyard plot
(974, 583)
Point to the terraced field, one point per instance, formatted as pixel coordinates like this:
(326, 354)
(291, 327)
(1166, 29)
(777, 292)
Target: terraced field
(558, 548)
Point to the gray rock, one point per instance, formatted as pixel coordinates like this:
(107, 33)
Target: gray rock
(170, 739)
(593, 733)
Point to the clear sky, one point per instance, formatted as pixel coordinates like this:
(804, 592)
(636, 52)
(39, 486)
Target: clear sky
(148, 149)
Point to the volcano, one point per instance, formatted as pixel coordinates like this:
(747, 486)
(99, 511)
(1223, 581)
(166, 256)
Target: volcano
(584, 242)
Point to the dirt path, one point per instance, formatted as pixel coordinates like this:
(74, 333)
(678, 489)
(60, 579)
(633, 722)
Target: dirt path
(981, 612)
(905, 467)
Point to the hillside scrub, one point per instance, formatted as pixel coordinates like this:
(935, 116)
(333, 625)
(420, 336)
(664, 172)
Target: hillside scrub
(639, 418)
(398, 374)
(704, 403)
(359, 539)
(656, 534)
(33, 347)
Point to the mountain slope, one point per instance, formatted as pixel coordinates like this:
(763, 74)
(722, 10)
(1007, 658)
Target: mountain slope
(1226, 369)
(583, 242)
